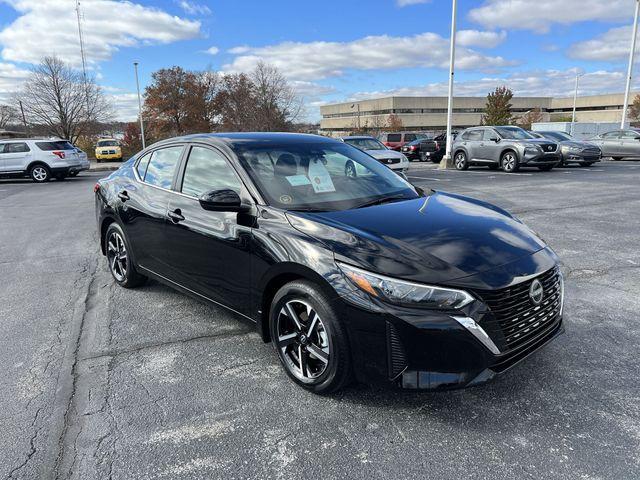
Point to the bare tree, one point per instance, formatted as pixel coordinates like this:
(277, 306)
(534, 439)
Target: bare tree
(529, 118)
(7, 115)
(236, 104)
(58, 98)
(394, 123)
(277, 106)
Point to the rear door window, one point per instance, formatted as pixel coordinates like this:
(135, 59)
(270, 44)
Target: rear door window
(162, 166)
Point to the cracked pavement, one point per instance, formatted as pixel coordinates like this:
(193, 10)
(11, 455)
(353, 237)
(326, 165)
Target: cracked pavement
(103, 382)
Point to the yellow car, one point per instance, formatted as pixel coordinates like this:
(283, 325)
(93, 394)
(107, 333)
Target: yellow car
(108, 149)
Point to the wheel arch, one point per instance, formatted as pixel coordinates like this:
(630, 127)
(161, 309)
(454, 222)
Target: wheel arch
(278, 277)
(507, 150)
(35, 163)
(104, 225)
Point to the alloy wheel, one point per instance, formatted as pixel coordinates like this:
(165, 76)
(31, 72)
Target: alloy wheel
(303, 342)
(117, 256)
(509, 162)
(460, 161)
(350, 170)
(39, 174)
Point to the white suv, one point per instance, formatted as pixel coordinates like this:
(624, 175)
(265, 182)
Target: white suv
(40, 159)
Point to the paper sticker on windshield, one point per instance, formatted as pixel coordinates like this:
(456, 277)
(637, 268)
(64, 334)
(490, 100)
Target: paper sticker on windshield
(297, 180)
(320, 178)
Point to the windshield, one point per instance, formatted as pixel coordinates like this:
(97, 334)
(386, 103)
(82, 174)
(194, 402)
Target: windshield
(365, 143)
(320, 176)
(558, 136)
(513, 133)
(108, 143)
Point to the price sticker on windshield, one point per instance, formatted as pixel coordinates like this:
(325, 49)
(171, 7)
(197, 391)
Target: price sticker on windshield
(320, 178)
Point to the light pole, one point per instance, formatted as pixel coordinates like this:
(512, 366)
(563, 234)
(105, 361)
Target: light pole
(575, 99)
(135, 66)
(357, 105)
(446, 161)
(625, 105)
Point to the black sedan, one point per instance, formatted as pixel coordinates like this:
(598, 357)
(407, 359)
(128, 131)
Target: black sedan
(572, 150)
(366, 278)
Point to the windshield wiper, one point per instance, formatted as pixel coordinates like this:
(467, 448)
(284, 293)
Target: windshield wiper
(380, 201)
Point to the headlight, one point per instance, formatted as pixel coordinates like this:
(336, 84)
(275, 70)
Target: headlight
(405, 293)
(572, 149)
(532, 145)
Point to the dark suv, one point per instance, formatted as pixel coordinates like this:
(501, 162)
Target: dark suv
(504, 147)
(395, 141)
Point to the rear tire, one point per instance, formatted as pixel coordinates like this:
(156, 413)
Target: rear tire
(509, 162)
(586, 164)
(460, 161)
(118, 254)
(313, 348)
(616, 158)
(74, 174)
(40, 173)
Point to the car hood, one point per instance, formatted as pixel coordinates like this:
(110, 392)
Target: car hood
(574, 144)
(378, 154)
(437, 238)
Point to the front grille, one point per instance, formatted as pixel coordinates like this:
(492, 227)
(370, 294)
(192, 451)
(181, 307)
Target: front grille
(549, 147)
(514, 320)
(397, 358)
(595, 152)
(389, 161)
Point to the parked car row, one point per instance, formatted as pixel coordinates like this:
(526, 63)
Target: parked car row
(41, 159)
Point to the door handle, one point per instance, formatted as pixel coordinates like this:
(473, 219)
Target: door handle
(124, 196)
(176, 216)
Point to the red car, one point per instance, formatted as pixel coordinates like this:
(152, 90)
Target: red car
(395, 141)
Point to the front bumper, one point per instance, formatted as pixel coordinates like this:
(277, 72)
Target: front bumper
(534, 158)
(108, 156)
(433, 350)
(568, 157)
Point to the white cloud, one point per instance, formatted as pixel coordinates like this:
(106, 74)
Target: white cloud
(557, 83)
(212, 50)
(541, 14)
(193, 8)
(611, 46)
(11, 79)
(404, 3)
(125, 106)
(317, 60)
(47, 27)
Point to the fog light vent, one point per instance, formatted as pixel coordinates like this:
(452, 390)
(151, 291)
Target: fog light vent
(397, 358)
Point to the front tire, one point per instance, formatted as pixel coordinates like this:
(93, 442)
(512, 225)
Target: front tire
(509, 162)
(460, 161)
(40, 173)
(121, 267)
(309, 338)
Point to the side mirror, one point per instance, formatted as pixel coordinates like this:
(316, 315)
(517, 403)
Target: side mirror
(226, 200)
(495, 139)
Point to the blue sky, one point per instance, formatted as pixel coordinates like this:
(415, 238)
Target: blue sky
(330, 50)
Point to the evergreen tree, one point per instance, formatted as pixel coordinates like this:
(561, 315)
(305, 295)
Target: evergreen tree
(498, 109)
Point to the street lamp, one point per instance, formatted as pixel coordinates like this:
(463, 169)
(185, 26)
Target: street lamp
(446, 161)
(135, 66)
(625, 105)
(358, 105)
(575, 99)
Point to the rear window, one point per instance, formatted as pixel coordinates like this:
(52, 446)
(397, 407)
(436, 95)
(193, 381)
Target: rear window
(55, 145)
(394, 137)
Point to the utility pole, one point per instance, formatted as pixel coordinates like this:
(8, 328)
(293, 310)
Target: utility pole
(632, 53)
(135, 66)
(84, 63)
(575, 99)
(24, 119)
(446, 161)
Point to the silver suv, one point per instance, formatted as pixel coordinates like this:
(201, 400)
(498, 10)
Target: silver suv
(40, 159)
(505, 147)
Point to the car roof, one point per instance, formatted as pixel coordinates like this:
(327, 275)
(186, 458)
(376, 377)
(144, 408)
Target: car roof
(236, 139)
(37, 139)
(359, 137)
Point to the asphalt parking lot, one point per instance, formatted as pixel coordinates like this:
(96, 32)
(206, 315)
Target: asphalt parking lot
(103, 382)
